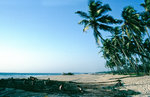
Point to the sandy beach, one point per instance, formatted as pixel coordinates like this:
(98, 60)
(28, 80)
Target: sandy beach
(91, 83)
(139, 84)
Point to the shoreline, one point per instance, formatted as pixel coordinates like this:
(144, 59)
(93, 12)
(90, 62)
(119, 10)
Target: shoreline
(93, 83)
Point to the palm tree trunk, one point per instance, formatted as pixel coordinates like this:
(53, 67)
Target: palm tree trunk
(139, 47)
(95, 30)
(118, 68)
(121, 64)
(142, 55)
(136, 66)
(126, 55)
(147, 34)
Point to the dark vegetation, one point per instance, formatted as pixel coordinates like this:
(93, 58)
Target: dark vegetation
(72, 89)
(127, 49)
(37, 85)
(69, 73)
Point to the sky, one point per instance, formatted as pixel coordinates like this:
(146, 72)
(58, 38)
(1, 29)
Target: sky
(44, 36)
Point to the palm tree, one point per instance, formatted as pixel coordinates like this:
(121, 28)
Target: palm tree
(146, 14)
(123, 50)
(109, 53)
(127, 48)
(111, 65)
(146, 5)
(134, 28)
(97, 19)
(120, 44)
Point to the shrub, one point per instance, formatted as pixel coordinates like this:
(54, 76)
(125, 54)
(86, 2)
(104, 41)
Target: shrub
(69, 73)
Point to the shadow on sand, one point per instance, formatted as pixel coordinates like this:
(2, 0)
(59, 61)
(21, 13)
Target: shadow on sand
(9, 87)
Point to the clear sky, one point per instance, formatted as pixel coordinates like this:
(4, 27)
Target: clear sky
(44, 36)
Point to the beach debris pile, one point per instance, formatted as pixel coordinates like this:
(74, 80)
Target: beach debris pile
(38, 85)
(119, 83)
(120, 92)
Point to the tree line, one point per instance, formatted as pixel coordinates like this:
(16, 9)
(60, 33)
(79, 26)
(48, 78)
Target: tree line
(127, 50)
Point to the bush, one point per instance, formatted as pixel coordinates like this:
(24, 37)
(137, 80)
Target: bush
(69, 73)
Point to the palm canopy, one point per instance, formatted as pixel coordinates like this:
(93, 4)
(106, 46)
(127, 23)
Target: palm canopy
(135, 29)
(132, 24)
(146, 5)
(146, 15)
(97, 19)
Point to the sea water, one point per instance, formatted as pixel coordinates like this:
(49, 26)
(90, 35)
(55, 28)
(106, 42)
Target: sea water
(25, 75)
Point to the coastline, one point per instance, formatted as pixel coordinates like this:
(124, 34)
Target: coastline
(25, 75)
(93, 83)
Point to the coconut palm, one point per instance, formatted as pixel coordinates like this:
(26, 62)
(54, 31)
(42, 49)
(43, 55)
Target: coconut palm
(146, 5)
(146, 18)
(134, 28)
(123, 50)
(146, 14)
(111, 65)
(109, 54)
(128, 49)
(97, 19)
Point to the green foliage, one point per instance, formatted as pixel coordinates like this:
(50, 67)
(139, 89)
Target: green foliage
(97, 19)
(127, 50)
(38, 85)
(69, 73)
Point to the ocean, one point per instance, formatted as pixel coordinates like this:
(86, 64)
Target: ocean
(25, 75)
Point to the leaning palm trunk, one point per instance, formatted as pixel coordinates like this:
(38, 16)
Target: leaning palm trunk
(146, 64)
(141, 47)
(143, 50)
(98, 34)
(118, 68)
(133, 65)
(121, 64)
(147, 34)
(136, 66)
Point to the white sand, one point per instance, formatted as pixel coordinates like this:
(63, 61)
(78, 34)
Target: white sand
(139, 84)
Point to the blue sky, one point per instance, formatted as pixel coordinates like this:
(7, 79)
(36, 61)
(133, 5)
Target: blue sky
(44, 36)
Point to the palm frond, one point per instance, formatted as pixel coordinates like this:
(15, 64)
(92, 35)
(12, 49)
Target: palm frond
(132, 22)
(147, 5)
(96, 36)
(82, 14)
(143, 5)
(109, 20)
(103, 9)
(92, 9)
(128, 11)
(98, 3)
(148, 23)
(84, 22)
(106, 27)
(86, 28)
(117, 31)
(90, 2)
